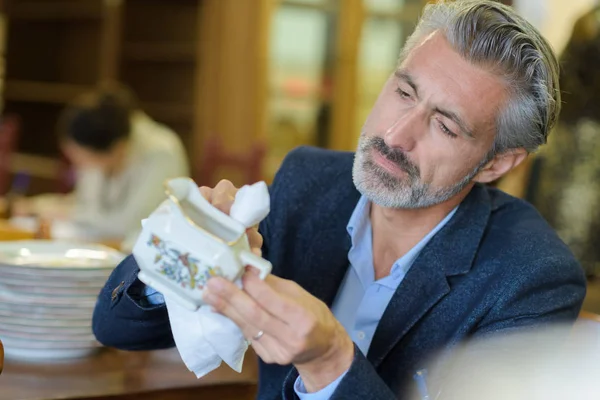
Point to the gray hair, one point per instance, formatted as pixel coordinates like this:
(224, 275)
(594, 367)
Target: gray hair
(495, 37)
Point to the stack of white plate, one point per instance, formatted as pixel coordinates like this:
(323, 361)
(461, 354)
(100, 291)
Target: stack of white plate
(48, 290)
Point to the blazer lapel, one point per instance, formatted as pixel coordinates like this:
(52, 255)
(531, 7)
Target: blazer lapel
(450, 252)
(325, 264)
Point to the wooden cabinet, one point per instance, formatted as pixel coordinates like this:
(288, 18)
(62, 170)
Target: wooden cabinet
(196, 65)
(159, 60)
(57, 49)
(53, 52)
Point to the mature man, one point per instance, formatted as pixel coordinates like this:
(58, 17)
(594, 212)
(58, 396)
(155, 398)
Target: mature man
(383, 258)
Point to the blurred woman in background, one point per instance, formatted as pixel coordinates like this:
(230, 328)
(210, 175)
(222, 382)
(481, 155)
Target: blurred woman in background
(121, 158)
(565, 178)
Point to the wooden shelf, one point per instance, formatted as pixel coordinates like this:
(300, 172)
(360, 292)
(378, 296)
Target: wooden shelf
(160, 52)
(178, 113)
(55, 10)
(35, 165)
(42, 92)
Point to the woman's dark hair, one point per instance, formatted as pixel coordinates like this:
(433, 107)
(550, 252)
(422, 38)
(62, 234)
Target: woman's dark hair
(580, 70)
(98, 120)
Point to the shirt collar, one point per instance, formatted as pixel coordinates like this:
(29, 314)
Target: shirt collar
(359, 218)
(359, 229)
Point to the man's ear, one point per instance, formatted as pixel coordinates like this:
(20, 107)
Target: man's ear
(500, 165)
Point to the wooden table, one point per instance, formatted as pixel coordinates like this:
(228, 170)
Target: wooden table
(118, 375)
(9, 232)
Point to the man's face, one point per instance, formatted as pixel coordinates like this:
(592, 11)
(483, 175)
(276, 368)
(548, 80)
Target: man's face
(431, 129)
(84, 158)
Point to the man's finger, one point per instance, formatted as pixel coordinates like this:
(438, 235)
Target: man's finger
(223, 196)
(254, 238)
(270, 350)
(206, 192)
(275, 302)
(242, 309)
(290, 288)
(225, 189)
(221, 306)
(223, 205)
(260, 349)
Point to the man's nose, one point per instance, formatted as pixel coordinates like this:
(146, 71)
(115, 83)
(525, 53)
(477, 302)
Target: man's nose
(406, 129)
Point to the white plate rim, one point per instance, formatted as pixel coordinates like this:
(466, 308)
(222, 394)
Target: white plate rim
(58, 248)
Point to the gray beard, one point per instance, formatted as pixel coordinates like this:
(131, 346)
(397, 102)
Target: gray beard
(387, 190)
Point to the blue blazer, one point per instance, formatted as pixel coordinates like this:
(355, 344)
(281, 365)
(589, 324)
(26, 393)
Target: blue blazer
(495, 266)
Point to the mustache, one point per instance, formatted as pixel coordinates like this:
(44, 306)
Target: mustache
(394, 155)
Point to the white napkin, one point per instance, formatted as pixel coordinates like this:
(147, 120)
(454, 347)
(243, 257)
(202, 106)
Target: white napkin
(251, 204)
(204, 338)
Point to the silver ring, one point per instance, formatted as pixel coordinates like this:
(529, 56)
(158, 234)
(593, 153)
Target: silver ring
(258, 336)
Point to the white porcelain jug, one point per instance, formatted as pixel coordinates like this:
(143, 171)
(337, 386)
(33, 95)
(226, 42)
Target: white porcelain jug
(186, 241)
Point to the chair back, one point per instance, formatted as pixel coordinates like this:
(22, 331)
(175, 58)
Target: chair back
(1, 356)
(9, 136)
(214, 156)
(66, 176)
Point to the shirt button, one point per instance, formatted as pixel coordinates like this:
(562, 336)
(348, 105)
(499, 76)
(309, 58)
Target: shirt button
(361, 335)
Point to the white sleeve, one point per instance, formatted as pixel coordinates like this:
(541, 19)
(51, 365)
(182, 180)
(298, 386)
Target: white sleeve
(145, 193)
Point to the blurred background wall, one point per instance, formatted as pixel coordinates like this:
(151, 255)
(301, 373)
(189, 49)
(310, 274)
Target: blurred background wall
(554, 18)
(241, 81)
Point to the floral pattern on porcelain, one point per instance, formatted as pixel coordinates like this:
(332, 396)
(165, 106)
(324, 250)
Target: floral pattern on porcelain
(180, 267)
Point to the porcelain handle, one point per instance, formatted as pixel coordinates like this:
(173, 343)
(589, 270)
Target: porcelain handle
(249, 258)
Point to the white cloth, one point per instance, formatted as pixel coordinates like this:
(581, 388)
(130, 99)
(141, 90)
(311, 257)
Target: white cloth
(251, 205)
(204, 338)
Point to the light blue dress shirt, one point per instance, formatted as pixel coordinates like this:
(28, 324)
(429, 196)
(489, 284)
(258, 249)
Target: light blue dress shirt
(361, 300)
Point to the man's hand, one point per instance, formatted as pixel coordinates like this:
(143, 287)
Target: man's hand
(222, 197)
(296, 327)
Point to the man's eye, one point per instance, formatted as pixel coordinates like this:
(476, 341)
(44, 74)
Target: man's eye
(446, 131)
(402, 93)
